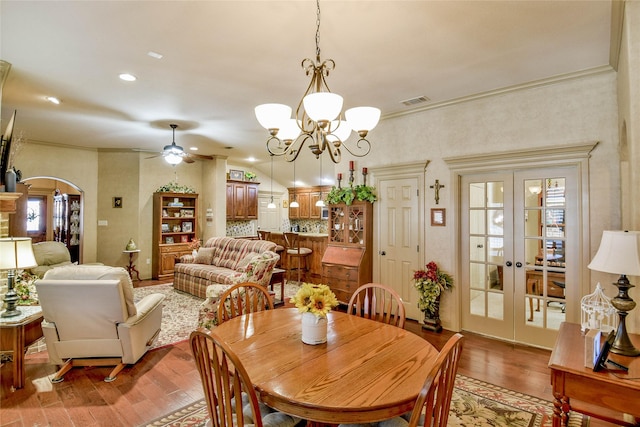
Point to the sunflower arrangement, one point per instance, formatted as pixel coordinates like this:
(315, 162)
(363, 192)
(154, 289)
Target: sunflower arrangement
(317, 299)
(25, 287)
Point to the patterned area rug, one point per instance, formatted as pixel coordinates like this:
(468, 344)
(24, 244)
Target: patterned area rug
(474, 404)
(180, 310)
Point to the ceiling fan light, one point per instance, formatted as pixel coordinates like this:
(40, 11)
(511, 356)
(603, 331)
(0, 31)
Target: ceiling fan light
(173, 158)
(272, 116)
(322, 106)
(362, 118)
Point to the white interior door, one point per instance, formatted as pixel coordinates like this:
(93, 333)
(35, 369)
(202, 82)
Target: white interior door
(269, 219)
(399, 239)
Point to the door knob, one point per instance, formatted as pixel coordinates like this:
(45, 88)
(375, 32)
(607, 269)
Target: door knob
(518, 264)
(383, 253)
(509, 263)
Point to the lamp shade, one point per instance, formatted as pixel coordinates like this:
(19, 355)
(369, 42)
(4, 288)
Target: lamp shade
(272, 116)
(339, 129)
(322, 106)
(16, 253)
(289, 130)
(362, 118)
(618, 253)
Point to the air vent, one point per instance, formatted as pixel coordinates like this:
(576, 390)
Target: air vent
(416, 100)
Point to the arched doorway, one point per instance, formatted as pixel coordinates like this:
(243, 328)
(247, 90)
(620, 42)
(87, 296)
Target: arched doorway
(55, 211)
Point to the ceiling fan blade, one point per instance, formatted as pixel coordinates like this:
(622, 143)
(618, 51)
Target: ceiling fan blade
(153, 157)
(187, 159)
(200, 156)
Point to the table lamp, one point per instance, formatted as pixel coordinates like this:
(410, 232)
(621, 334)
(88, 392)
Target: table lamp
(619, 253)
(15, 254)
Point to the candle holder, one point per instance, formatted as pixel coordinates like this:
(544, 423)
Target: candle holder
(339, 180)
(364, 175)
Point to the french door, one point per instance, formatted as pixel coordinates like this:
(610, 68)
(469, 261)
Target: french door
(520, 253)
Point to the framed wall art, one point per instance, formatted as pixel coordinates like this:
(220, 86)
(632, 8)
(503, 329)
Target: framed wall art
(438, 217)
(236, 175)
(117, 202)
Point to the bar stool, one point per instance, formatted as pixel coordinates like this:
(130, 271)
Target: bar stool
(293, 250)
(266, 235)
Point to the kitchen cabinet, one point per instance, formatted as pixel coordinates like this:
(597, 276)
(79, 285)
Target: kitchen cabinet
(242, 200)
(175, 225)
(348, 261)
(307, 198)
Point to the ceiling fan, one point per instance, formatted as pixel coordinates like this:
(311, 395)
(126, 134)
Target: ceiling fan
(174, 153)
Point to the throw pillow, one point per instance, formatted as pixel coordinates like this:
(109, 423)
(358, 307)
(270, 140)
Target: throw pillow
(204, 256)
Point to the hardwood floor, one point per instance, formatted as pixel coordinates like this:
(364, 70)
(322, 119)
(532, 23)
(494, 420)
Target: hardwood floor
(165, 379)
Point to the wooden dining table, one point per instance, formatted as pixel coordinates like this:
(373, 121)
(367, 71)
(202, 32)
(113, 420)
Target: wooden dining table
(367, 371)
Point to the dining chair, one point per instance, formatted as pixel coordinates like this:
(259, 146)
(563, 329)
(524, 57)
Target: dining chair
(243, 298)
(264, 235)
(434, 399)
(377, 302)
(293, 250)
(230, 395)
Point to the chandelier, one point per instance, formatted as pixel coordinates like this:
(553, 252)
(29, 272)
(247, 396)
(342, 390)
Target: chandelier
(319, 121)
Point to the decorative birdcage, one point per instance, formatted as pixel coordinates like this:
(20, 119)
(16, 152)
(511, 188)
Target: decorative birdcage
(597, 312)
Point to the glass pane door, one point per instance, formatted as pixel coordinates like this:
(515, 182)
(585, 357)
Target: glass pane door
(488, 294)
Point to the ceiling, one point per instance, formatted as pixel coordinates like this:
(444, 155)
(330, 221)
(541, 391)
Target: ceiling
(222, 58)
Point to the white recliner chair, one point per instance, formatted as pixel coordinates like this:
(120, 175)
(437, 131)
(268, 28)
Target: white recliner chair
(90, 318)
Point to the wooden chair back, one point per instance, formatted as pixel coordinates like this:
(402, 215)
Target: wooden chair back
(243, 298)
(378, 302)
(434, 399)
(223, 380)
(292, 241)
(264, 235)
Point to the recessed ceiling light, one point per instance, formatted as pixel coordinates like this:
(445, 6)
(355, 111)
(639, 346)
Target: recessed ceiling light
(193, 148)
(251, 159)
(53, 100)
(155, 55)
(128, 77)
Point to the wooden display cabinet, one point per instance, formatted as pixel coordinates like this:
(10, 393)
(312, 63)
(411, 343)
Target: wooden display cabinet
(67, 217)
(348, 261)
(175, 225)
(242, 200)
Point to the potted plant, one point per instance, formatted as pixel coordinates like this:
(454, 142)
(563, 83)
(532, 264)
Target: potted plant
(347, 195)
(249, 176)
(430, 283)
(314, 302)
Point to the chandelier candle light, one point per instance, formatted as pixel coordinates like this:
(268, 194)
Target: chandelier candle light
(619, 253)
(318, 118)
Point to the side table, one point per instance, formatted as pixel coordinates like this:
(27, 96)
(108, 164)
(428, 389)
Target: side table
(131, 268)
(278, 276)
(18, 333)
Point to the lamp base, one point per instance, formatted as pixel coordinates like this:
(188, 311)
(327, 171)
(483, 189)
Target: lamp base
(10, 298)
(623, 303)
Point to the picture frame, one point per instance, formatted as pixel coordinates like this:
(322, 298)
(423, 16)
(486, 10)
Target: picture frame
(165, 227)
(187, 227)
(117, 202)
(169, 240)
(184, 239)
(236, 175)
(438, 217)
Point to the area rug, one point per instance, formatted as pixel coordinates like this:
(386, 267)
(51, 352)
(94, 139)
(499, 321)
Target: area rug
(474, 403)
(180, 310)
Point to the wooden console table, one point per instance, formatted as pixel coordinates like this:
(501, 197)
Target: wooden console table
(18, 333)
(570, 379)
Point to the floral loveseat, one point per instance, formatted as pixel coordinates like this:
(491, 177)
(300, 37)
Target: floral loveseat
(221, 263)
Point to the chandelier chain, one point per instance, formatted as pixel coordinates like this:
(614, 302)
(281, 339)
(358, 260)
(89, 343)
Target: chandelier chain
(318, 30)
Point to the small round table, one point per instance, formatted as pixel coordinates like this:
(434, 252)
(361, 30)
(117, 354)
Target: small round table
(132, 267)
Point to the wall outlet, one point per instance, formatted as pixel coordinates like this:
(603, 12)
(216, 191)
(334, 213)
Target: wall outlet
(148, 260)
(102, 223)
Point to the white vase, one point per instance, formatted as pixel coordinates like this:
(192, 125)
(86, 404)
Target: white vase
(314, 329)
